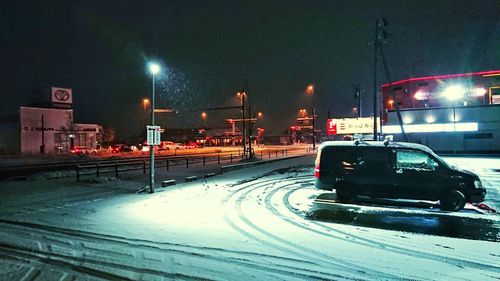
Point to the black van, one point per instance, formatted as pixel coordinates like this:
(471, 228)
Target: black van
(394, 170)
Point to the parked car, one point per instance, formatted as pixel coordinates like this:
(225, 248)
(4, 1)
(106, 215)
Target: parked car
(168, 145)
(394, 170)
(191, 145)
(117, 148)
(80, 150)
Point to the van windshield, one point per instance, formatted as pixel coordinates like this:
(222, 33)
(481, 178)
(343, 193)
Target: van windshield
(440, 160)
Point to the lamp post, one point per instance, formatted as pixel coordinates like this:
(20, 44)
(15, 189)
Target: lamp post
(259, 116)
(145, 104)
(204, 118)
(310, 89)
(242, 95)
(153, 69)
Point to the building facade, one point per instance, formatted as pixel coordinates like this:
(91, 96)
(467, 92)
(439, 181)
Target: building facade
(47, 127)
(449, 113)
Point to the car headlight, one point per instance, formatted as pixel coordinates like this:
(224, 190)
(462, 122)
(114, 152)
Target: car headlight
(478, 184)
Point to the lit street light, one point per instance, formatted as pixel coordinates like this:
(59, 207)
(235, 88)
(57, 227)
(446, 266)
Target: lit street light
(303, 112)
(204, 117)
(310, 90)
(153, 69)
(145, 103)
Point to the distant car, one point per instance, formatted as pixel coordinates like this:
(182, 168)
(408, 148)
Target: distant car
(394, 170)
(191, 145)
(80, 150)
(169, 145)
(117, 148)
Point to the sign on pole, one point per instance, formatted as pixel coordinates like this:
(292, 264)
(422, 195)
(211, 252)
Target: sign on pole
(154, 133)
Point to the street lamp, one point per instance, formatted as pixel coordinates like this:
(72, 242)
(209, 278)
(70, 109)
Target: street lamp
(303, 112)
(145, 103)
(204, 117)
(153, 69)
(310, 90)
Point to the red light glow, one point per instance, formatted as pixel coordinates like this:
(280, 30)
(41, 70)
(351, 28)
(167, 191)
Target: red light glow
(316, 172)
(484, 73)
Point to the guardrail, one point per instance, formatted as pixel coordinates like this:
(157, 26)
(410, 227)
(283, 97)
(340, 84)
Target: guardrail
(119, 166)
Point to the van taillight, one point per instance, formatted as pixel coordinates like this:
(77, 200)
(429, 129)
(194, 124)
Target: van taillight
(316, 172)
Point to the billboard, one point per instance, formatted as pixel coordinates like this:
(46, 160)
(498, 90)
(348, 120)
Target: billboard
(62, 97)
(350, 126)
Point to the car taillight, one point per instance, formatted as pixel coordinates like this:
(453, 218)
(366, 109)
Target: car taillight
(316, 172)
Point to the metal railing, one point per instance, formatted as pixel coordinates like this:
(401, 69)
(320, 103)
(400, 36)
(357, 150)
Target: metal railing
(120, 166)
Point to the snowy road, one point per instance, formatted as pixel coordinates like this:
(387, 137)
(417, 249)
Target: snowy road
(263, 223)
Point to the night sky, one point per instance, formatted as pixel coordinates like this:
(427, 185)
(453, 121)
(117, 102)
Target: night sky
(212, 49)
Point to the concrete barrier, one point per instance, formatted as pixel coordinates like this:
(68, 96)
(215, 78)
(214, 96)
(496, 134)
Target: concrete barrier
(167, 183)
(209, 175)
(191, 178)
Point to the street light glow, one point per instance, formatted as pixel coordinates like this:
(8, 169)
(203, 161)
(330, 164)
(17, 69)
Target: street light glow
(310, 88)
(154, 68)
(454, 92)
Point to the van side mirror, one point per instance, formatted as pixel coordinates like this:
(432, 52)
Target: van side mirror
(435, 165)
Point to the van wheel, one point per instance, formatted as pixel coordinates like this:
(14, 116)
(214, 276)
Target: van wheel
(345, 192)
(453, 201)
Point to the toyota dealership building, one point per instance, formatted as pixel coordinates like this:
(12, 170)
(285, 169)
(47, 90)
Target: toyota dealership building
(47, 126)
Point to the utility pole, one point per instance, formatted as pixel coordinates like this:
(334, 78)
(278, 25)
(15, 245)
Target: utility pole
(379, 40)
(375, 87)
(250, 125)
(42, 147)
(357, 96)
(393, 95)
(243, 135)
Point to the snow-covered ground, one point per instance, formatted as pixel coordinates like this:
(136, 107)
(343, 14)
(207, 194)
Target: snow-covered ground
(263, 223)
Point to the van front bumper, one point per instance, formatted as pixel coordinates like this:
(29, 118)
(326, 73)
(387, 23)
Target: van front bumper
(477, 195)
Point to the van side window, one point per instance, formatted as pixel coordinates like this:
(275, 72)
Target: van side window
(337, 158)
(373, 157)
(414, 160)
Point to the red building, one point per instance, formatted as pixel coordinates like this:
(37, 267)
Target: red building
(449, 113)
(467, 89)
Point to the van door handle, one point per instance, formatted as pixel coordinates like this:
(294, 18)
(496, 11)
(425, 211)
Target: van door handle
(399, 171)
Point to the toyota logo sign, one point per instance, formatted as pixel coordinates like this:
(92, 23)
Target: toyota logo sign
(61, 95)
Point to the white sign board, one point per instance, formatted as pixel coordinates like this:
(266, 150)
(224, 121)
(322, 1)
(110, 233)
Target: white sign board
(351, 126)
(154, 133)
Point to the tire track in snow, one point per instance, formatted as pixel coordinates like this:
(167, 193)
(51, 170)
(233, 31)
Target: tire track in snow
(290, 247)
(459, 263)
(363, 240)
(267, 264)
